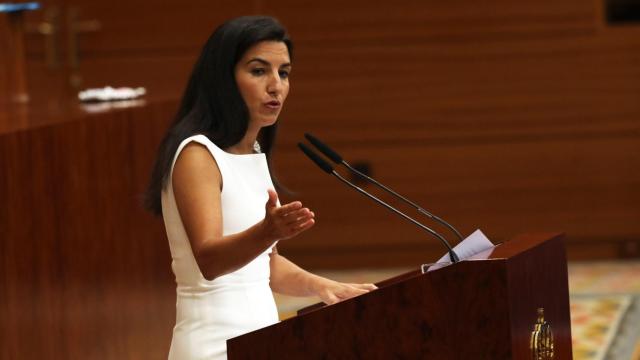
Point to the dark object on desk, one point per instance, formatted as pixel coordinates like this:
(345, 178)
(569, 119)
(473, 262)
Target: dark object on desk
(12, 44)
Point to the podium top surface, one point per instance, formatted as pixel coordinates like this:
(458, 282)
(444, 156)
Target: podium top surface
(500, 252)
(520, 244)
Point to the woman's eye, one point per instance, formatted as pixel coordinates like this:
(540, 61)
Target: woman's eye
(284, 74)
(257, 71)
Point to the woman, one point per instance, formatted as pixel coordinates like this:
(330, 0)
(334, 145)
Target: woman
(213, 188)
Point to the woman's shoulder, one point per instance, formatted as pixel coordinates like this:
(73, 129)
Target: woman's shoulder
(195, 158)
(201, 139)
(199, 148)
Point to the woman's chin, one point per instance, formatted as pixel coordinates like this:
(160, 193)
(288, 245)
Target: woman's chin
(267, 120)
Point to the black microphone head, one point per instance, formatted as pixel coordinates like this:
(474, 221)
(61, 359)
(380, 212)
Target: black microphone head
(316, 159)
(327, 151)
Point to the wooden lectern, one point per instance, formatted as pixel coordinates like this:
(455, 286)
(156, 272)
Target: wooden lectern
(485, 307)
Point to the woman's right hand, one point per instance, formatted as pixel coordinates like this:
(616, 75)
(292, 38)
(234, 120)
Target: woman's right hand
(286, 221)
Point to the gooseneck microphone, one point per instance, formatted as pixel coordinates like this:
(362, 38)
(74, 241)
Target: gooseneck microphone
(336, 158)
(326, 167)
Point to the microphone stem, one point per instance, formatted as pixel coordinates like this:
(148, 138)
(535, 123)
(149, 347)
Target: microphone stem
(452, 255)
(416, 206)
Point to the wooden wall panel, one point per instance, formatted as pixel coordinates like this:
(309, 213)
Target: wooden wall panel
(508, 117)
(137, 43)
(128, 50)
(4, 65)
(184, 26)
(504, 189)
(335, 23)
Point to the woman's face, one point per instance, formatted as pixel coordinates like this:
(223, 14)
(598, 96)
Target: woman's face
(262, 75)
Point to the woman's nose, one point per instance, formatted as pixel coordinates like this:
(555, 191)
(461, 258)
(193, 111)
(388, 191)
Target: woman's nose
(274, 86)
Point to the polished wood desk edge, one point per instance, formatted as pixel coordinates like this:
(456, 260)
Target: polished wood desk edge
(15, 118)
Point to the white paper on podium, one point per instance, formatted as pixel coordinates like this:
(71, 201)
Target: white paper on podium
(473, 244)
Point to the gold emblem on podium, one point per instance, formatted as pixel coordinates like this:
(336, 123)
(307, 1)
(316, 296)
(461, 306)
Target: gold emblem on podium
(541, 339)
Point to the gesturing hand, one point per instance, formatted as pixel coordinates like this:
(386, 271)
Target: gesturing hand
(286, 221)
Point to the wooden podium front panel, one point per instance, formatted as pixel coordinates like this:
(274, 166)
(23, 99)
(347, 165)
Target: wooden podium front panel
(437, 315)
(484, 308)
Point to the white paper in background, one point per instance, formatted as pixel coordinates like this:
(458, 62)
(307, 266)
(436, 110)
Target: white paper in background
(108, 93)
(473, 244)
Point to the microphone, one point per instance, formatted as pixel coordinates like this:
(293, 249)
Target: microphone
(331, 154)
(326, 167)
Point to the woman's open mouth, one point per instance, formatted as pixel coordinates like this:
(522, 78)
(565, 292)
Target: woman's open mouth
(274, 105)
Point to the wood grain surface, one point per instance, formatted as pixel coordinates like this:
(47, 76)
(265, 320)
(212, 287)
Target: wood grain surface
(481, 309)
(85, 271)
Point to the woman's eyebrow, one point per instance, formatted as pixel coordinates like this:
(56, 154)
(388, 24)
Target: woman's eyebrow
(262, 61)
(265, 62)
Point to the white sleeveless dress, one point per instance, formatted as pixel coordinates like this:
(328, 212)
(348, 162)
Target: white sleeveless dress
(210, 312)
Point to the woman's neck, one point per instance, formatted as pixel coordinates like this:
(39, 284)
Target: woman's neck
(244, 146)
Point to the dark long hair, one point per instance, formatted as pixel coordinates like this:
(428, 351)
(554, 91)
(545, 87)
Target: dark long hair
(212, 104)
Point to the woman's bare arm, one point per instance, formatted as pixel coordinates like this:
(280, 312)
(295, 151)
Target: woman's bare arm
(197, 185)
(289, 279)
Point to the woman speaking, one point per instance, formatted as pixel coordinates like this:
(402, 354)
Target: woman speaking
(212, 185)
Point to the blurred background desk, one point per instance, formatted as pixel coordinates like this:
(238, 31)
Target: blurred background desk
(85, 271)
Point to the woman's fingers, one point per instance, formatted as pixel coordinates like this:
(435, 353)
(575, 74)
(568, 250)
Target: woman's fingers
(352, 290)
(273, 199)
(288, 220)
(355, 291)
(334, 292)
(299, 226)
(331, 299)
(306, 225)
(298, 216)
(347, 291)
(287, 208)
(367, 287)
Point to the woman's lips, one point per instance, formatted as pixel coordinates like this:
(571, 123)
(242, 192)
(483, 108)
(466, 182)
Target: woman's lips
(274, 105)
